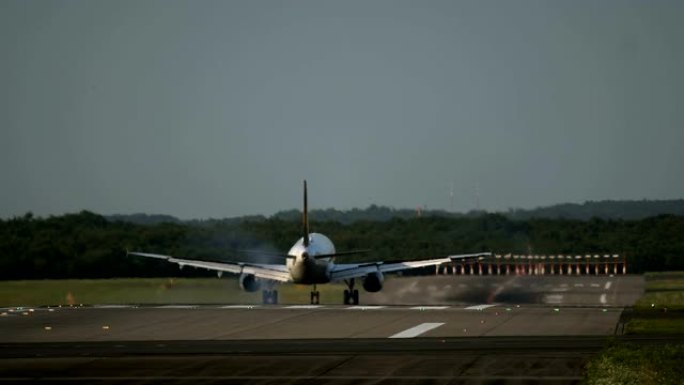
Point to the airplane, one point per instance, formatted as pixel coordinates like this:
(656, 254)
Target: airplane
(310, 261)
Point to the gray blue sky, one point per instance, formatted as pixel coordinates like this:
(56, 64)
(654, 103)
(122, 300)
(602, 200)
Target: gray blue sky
(220, 108)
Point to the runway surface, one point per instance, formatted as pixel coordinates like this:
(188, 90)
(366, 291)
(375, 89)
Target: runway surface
(517, 332)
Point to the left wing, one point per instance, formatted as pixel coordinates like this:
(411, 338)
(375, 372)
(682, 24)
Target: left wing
(266, 271)
(347, 271)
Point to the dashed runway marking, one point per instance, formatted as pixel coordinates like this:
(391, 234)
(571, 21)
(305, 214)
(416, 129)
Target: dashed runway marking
(608, 284)
(554, 299)
(603, 298)
(113, 306)
(417, 330)
(479, 307)
(177, 307)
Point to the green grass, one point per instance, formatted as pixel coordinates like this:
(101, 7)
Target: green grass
(645, 365)
(655, 326)
(659, 300)
(150, 291)
(663, 290)
(661, 309)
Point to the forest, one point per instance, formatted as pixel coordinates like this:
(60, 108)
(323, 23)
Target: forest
(88, 245)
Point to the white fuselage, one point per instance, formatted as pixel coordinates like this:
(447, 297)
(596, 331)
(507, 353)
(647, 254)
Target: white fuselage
(302, 262)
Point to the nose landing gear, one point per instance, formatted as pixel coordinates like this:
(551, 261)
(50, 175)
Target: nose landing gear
(315, 296)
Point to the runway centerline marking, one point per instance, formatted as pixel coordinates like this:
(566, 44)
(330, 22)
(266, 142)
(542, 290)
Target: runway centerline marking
(417, 330)
(177, 307)
(113, 306)
(479, 307)
(608, 284)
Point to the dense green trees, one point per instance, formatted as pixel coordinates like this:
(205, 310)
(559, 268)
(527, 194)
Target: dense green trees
(87, 245)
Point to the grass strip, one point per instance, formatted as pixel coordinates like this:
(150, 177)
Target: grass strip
(639, 365)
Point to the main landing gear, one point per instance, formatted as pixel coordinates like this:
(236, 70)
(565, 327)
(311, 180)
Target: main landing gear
(315, 296)
(351, 296)
(269, 297)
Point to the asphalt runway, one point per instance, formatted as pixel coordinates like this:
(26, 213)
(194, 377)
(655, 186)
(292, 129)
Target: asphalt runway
(490, 330)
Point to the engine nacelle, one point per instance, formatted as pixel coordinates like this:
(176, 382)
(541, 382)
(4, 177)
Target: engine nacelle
(248, 282)
(373, 282)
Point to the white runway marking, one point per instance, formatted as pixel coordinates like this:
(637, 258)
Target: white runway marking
(238, 307)
(479, 307)
(430, 307)
(603, 298)
(579, 285)
(417, 330)
(594, 285)
(177, 307)
(303, 307)
(554, 299)
(608, 284)
(113, 306)
(365, 307)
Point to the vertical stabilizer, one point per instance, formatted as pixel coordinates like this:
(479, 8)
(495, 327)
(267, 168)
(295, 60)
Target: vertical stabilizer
(305, 219)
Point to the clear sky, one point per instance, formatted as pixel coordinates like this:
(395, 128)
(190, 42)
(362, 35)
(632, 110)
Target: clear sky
(220, 108)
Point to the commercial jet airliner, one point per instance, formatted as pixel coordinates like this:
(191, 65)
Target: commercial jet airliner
(310, 261)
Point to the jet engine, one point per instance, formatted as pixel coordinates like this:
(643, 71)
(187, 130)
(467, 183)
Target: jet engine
(248, 282)
(373, 282)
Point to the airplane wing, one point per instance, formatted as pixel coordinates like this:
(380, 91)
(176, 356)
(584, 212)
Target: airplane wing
(266, 271)
(347, 271)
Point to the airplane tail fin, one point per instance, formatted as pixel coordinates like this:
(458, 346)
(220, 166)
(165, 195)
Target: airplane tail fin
(305, 219)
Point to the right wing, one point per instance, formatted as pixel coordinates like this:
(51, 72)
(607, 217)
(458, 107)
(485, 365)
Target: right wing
(346, 271)
(260, 270)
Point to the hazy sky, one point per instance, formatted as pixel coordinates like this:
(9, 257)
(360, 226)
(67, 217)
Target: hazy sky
(220, 108)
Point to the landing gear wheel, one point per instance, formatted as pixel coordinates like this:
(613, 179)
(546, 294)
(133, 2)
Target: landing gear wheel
(351, 296)
(270, 297)
(315, 297)
(355, 297)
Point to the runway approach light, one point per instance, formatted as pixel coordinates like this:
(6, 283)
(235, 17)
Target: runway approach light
(105, 327)
(556, 309)
(48, 328)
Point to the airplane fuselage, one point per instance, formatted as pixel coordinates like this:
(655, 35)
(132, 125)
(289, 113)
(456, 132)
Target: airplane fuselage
(302, 263)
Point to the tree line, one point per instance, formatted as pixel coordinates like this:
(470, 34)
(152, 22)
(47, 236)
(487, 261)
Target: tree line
(88, 245)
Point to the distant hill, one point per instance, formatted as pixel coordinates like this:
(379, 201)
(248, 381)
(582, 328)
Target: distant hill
(143, 219)
(631, 210)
